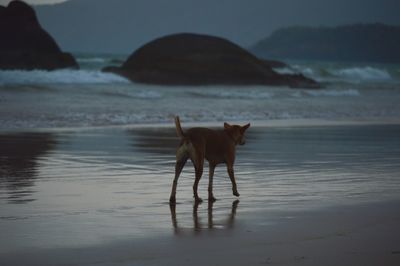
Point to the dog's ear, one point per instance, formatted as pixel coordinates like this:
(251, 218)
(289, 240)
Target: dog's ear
(245, 127)
(227, 126)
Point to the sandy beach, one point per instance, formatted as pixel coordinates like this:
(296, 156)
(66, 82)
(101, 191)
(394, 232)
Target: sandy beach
(356, 235)
(310, 195)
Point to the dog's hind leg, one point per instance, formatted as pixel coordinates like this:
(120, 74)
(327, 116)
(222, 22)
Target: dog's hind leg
(181, 158)
(198, 162)
(199, 173)
(196, 155)
(210, 183)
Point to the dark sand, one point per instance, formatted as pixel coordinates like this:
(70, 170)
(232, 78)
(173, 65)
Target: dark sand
(352, 235)
(309, 196)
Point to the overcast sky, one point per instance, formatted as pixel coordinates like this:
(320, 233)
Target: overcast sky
(34, 2)
(124, 25)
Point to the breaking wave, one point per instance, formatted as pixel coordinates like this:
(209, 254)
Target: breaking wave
(91, 60)
(363, 73)
(64, 76)
(230, 93)
(328, 73)
(333, 92)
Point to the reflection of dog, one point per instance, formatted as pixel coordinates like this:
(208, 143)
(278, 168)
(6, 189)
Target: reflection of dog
(214, 146)
(197, 225)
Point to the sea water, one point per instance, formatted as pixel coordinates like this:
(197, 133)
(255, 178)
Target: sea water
(89, 97)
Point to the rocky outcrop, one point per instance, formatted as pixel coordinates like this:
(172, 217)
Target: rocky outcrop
(192, 59)
(25, 45)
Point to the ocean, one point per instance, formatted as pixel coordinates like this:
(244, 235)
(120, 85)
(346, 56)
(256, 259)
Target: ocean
(88, 97)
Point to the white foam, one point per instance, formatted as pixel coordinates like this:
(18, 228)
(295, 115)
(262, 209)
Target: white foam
(148, 94)
(234, 94)
(333, 92)
(285, 70)
(91, 60)
(362, 73)
(296, 69)
(307, 71)
(64, 76)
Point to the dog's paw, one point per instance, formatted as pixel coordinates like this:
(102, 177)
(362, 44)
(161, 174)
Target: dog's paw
(198, 199)
(236, 193)
(211, 199)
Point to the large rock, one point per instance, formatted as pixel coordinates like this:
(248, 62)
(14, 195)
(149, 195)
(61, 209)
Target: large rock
(192, 59)
(25, 45)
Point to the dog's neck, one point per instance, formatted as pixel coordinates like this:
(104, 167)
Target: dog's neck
(229, 134)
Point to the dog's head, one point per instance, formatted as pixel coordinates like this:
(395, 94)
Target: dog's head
(236, 132)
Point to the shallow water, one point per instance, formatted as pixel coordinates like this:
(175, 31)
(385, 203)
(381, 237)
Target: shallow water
(74, 188)
(88, 97)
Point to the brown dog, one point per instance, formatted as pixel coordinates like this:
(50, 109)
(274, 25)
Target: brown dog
(216, 146)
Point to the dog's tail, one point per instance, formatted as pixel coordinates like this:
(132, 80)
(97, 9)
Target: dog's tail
(179, 130)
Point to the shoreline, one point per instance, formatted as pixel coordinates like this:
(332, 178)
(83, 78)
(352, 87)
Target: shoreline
(276, 123)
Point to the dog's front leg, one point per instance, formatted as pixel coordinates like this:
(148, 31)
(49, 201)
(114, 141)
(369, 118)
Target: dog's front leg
(232, 177)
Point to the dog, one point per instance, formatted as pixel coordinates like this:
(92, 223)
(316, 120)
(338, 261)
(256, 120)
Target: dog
(216, 146)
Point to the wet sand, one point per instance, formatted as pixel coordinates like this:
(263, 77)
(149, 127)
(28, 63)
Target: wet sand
(356, 235)
(311, 195)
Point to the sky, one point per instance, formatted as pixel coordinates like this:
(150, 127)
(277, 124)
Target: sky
(124, 25)
(34, 2)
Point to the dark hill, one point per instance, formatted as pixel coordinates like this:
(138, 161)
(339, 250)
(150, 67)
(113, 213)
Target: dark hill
(356, 43)
(24, 44)
(192, 59)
